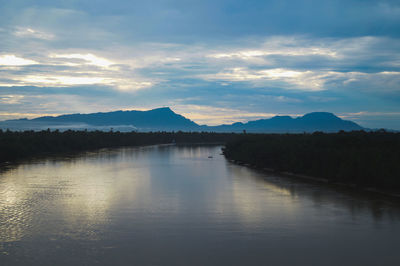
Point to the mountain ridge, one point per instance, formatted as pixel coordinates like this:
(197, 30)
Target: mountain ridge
(165, 119)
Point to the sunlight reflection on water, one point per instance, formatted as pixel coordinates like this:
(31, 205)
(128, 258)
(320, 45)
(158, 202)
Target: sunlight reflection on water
(170, 205)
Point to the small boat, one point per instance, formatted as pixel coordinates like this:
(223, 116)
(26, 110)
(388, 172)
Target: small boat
(210, 156)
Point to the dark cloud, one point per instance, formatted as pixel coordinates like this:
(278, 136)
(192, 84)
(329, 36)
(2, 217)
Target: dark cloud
(199, 21)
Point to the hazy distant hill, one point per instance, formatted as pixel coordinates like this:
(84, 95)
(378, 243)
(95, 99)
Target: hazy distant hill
(318, 121)
(164, 119)
(156, 119)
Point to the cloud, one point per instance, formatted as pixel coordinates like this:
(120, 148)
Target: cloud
(11, 99)
(210, 115)
(280, 45)
(312, 64)
(55, 80)
(379, 83)
(367, 113)
(373, 120)
(63, 70)
(339, 56)
(32, 33)
(88, 58)
(52, 80)
(10, 115)
(12, 60)
(289, 62)
(286, 78)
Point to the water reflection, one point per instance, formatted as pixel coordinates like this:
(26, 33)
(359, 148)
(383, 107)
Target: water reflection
(75, 193)
(167, 205)
(322, 196)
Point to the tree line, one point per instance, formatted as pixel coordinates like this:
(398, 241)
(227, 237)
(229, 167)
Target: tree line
(367, 159)
(15, 145)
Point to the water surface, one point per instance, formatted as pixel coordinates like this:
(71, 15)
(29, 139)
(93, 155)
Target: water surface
(172, 205)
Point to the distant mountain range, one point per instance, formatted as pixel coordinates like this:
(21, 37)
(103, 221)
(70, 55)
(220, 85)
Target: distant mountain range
(164, 119)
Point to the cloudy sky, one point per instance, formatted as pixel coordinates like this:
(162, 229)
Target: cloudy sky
(214, 61)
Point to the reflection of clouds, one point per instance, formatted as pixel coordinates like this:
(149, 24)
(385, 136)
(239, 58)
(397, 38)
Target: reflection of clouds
(14, 211)
(77, 194)
(288, 198)
(90, 195)
(98, 186)
(265, 203)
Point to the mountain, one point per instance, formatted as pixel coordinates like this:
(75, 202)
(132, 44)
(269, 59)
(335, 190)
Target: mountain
(156, 119)
(317, 121)
(160, 119)
(164, 119)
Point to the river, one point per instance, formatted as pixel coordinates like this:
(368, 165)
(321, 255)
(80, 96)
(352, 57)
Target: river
(184, 205)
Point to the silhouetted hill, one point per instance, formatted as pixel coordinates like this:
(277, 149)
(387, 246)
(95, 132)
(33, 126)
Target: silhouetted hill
(156, 119)
(318, 121)
(164, 119)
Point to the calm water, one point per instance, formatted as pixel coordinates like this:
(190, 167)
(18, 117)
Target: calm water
(169, 205)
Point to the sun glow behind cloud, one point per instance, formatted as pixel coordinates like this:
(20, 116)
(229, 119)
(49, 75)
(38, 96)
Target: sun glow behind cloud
(12, 60)
(63, 70)
(210, 115)
(297, 51)
(89, 59)
(157, 64)
(299, 80)
(63, 80)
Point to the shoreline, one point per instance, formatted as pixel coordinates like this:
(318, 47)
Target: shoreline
(15, 146)
(319, 180)
(63, 154)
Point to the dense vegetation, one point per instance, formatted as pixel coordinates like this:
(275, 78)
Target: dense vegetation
(19, 145)
(368, 159)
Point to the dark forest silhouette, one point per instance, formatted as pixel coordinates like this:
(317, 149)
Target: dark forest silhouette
(15, 145)
(367, 159)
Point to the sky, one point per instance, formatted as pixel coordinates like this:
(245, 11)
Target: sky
(213, 61)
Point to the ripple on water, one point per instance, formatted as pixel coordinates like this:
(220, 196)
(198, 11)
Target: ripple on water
(173, 205)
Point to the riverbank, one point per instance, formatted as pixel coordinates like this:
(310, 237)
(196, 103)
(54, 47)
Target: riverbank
(15, 146)
(325, 181)
(368, 161)
(131, 202)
